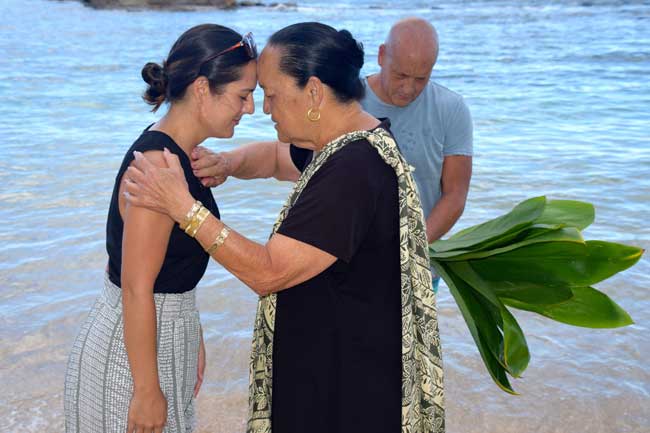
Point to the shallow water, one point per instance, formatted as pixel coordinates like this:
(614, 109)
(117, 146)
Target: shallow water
(561, 106)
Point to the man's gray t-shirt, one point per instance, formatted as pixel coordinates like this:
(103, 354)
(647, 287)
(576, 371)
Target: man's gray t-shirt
(435, 125)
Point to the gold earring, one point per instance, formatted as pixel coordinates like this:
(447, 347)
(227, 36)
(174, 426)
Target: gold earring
(312, 115)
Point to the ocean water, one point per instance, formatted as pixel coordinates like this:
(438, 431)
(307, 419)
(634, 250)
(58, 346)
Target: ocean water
(560, 98)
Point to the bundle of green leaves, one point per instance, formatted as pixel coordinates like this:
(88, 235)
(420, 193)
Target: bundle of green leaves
(533, 258)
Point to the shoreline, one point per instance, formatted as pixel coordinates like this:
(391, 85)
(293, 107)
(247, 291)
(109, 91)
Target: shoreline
(180, 5)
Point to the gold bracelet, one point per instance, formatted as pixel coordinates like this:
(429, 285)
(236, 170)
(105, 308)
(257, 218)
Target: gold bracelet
(190, 214)
(197, 221)
(219, 240)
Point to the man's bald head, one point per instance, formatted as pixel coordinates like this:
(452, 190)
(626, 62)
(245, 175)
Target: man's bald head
(407, 59)
(413, 37)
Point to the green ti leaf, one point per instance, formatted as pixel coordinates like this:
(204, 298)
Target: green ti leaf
(588, 308)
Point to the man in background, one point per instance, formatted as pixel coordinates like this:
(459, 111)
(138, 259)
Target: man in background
(431, 123)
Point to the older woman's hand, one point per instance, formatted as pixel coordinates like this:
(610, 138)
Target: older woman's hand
(211, 168)
(162, 189)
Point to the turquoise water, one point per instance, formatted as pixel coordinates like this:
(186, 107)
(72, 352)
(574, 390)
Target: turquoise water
(561, 104)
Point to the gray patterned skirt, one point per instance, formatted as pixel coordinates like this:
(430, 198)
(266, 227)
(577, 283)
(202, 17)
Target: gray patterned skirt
(98, 381)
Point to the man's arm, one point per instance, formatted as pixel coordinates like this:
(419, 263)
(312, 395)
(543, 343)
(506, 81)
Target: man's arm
(456, 174)
(256, 160)
(456, 171)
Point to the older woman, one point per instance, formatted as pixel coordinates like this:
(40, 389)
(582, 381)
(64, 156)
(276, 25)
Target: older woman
(346, 336)
(138, 359)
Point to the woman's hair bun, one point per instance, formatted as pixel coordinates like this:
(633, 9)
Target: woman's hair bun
(353, 48)
(154, 75)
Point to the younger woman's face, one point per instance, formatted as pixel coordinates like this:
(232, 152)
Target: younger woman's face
(222, 112)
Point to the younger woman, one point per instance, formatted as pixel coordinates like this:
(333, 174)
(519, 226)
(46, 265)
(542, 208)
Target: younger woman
(138, 360)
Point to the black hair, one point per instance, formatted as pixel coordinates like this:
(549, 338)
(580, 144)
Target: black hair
(317, 50)
(192, 56)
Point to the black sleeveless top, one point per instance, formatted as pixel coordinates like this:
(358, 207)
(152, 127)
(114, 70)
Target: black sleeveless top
(185, 260)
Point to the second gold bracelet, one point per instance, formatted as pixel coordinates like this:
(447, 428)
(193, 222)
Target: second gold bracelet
(219, 240)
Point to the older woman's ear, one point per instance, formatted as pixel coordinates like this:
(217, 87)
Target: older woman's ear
(316, 90)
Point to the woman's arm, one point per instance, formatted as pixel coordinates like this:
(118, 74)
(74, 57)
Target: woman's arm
(262, 159)
(144, 244)
(283, 262)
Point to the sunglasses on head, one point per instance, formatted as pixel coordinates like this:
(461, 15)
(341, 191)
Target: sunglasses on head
(247, 42)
